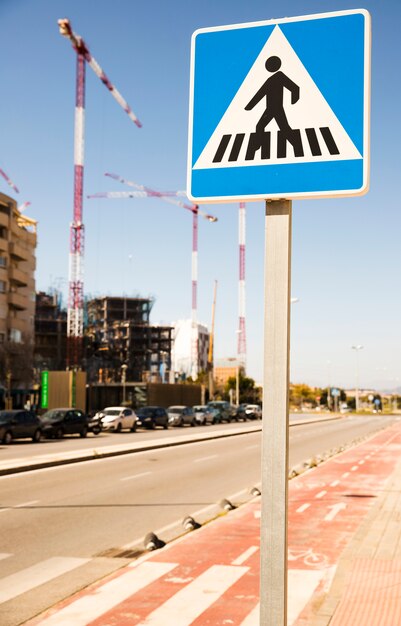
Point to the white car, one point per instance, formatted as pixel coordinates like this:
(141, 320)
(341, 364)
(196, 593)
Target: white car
(253, 411)
(117, 418)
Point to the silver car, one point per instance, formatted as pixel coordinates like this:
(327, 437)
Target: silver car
(180, 415)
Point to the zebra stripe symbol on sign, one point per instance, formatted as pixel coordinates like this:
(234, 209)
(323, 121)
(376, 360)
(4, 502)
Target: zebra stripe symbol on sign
(277, 116)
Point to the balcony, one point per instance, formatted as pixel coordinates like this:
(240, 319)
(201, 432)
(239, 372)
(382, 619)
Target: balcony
(4, 220)
(18, 276)
(17, 251)
(17, 301)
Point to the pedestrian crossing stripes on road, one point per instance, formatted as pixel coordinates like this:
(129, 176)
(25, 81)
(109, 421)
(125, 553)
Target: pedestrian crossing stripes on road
(117, 599)
(31, 577)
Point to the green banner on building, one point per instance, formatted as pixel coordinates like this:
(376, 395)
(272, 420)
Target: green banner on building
(45, 390)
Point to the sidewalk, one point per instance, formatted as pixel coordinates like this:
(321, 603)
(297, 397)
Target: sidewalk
(344, 557)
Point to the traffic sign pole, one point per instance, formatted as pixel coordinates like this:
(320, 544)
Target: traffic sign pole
(275, 434)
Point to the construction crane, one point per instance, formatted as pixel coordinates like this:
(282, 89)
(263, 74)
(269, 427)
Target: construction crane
(8, 180)
(241, 350)
(171, 196)
(75, 312)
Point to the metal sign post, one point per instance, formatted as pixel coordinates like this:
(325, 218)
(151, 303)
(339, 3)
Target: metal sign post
(273, 582)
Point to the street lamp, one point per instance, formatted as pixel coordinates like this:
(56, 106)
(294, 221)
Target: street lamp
(357, 348)
(123, 378)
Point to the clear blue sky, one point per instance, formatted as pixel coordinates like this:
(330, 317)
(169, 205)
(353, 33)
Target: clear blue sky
(346, 252)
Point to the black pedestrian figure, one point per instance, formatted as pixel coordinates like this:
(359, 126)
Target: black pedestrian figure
(273, 90)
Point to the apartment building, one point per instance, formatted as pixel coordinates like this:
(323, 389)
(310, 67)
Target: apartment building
(118, 333)
(17, 267)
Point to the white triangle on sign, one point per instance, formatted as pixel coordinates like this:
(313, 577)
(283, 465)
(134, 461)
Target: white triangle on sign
(309, 115)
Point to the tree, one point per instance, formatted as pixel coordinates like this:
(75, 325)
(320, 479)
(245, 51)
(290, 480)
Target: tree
(301, 394)
(247, 390)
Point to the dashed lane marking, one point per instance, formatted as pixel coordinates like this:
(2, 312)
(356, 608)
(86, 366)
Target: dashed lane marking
(245, 555)
(303, 507)
(134, 476)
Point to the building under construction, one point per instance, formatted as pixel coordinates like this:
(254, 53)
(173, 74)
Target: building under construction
(118, 333)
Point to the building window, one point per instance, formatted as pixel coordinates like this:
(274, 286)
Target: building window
(2, 337)
(3, 232)
(15, 335)
(3, 261)
(2, 286)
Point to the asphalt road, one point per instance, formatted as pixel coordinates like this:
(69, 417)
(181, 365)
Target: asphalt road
(67, 526)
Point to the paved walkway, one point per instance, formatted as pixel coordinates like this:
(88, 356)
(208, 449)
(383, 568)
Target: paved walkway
(344, 557)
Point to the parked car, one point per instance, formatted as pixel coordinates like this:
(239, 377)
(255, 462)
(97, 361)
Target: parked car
(241, 412)
(225, 411)
(253, 411)
(59, 422)
(203, 414)
(95, 425)
(152, 416)
(19, 424)
(180, 415)
(118, 418)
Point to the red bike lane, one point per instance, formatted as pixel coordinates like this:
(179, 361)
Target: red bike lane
(210, 577)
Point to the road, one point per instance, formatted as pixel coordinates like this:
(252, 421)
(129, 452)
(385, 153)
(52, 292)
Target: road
(68, 526)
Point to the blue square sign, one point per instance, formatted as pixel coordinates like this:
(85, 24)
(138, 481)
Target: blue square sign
(280, 109)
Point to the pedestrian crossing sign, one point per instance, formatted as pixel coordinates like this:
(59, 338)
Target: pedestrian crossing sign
(280, 109)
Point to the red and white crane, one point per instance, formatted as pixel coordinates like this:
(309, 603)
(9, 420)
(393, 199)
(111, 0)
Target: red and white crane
(8, 180)
(75, 312)
(171, 196)
(241, 351)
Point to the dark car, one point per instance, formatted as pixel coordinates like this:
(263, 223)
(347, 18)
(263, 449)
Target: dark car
(241, 412)
(59, 422)
(95, 425)
(19, 425)
(225, 412)
(180, 415)
(152, 416)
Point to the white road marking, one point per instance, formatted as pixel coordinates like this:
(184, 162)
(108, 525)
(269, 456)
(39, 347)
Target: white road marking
(89, 607)
(354, 468)
(136, 476)
(189, 603)
(301, 586)
(252, 619)
(206, 458)
(245, 556)
(335, 483)
(345, 475)
(257, 514)
(303, 507)
(31, 577)
(361, 462)
(4, 555)
(19, 506)
(320, 494)
(335, 508)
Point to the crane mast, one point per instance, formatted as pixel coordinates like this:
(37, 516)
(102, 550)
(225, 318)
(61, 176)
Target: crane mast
(75, 311)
